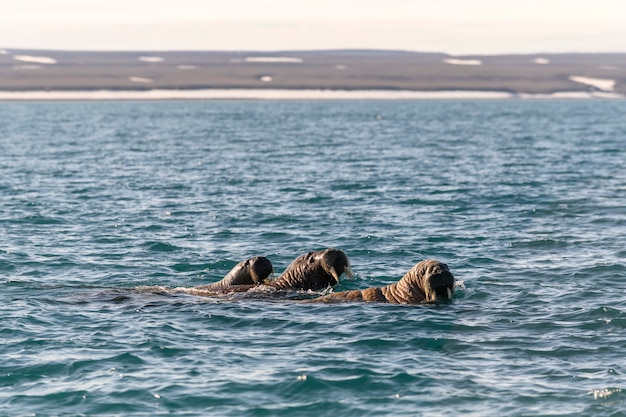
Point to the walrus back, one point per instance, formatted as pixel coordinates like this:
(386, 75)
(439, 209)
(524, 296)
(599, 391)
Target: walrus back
(301, 278)
(373, 294)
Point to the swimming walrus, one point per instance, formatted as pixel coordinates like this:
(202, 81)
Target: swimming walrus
(427, 281)
(251, 272)
(314, 271)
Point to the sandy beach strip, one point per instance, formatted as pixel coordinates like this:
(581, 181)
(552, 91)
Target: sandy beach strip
(285, 94)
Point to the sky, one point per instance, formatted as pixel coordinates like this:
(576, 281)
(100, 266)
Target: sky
(458, 27)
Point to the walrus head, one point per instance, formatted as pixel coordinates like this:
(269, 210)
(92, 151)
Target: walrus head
(259, 268)
(428, 281)
(249, 272)
(314, 271)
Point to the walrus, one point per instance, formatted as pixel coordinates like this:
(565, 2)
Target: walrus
(248, 273)
(428, 281)
(314, 271)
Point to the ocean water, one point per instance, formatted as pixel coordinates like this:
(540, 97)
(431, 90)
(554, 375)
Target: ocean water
(106, 205)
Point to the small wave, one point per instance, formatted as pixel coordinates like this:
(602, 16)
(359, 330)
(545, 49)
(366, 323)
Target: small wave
(161, 247)
(41, 220)
(539, 243)
(191, 267)
(603, 317)
(6, 266)
(603, 268)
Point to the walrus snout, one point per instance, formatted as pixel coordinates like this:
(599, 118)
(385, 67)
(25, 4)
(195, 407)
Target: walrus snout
(260, 268)
(438, 284)
(335, 263)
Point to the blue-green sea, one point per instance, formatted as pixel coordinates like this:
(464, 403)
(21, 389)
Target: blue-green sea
(104, 203)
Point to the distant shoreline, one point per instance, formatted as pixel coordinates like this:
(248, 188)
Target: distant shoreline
(287, 94)
(362, 74)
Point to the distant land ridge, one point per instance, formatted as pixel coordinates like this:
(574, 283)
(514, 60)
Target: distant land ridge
(350, 69)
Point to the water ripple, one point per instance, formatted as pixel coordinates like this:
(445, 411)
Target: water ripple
(109, 206)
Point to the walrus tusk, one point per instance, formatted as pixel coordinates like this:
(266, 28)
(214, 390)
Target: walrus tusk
(449, 293)
(348, 272)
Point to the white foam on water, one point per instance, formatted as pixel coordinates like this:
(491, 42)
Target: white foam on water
(274, 59)
(35, 59)
(151, 59)
(601, 394)
(4, 52)
(265, 79)
(186, 67)
(454, 61)
(541, 61)
(340, 67)
(142, 80)
(599, 83)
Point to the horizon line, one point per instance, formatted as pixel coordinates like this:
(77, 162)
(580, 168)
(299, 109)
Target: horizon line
(6, 50)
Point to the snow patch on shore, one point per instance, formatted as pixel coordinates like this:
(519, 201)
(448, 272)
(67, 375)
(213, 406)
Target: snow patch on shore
(35, 59)
(142, 80)
(274, 59)
(151, 59)
(599, 83)
(455, 61)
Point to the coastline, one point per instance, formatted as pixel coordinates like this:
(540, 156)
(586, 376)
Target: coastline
(289, 94)
(305, 75)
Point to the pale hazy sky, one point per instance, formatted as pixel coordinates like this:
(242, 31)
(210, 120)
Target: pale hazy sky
(453, 26)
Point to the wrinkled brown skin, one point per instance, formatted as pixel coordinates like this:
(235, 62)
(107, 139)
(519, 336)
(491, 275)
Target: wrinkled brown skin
(314, 271)
(428, 281)
(250, 272)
